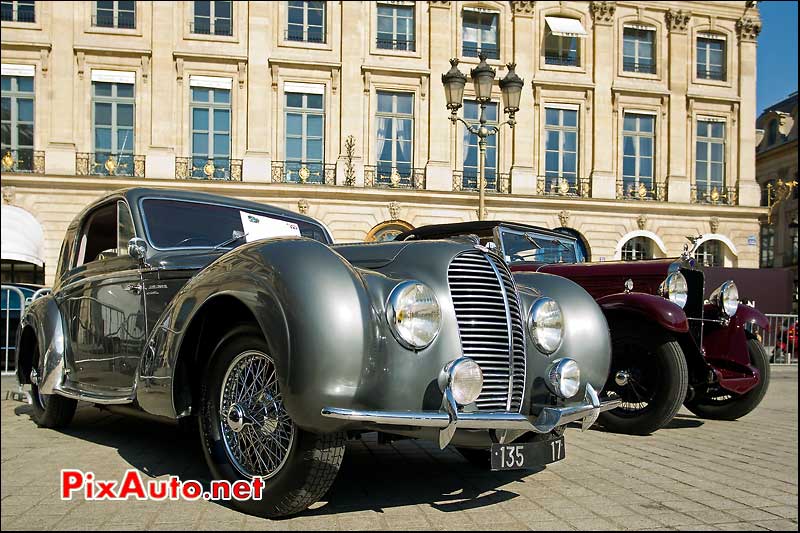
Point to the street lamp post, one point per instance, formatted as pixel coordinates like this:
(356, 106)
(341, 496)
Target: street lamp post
(482, 79)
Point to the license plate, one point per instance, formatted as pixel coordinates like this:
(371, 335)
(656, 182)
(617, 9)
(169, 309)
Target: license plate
(527, 454)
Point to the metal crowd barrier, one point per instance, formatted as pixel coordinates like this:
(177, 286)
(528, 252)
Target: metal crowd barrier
(10, 313)
(780, 340)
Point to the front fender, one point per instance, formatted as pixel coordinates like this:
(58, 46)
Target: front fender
(653, 308)
(750, 315)
(312, 307)
(44, 318)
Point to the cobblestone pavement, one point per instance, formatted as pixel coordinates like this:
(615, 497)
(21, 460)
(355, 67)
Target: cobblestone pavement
(695, 474)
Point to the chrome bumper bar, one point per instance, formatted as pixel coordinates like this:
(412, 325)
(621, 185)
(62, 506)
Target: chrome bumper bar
(449, 418)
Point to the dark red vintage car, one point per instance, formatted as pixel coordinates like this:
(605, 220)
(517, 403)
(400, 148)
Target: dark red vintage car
(671, 347)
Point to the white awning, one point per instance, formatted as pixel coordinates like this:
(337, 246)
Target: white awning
(18, 70)
(22, 236)
(114, 76)
(308, 88)
(564, 27)
(717, 36)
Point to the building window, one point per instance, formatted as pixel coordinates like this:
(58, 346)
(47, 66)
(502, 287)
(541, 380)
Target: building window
(711, 57)
(710, 158)
(305, 119)
(211, 132)
(793, 243)
(561, 150)
(395, 137)
(709, 254)
(306, 22)
(479, 34)
(472, 111)
(18, 11)
(115, 14)
(637, 155)
(772, 132)
(396, 27)
(113, 105)
(213, 18)
(637, 248)
(562, 45)
(767, 259)
(17, 123)
(638, 49)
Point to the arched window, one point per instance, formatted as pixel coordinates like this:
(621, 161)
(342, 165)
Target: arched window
(637, 248)
(709, 254)
(772, 132)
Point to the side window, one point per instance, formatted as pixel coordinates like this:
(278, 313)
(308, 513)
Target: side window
(98, 238)
(125, 229)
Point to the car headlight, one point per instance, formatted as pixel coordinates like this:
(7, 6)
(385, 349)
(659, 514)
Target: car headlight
(564, 377)
(726, 297)
(546, 325)
(675, 289)
(413, 314)
(465, 379)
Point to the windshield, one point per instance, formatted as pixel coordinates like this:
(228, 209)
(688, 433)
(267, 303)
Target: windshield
(188, 224)
(538, 248)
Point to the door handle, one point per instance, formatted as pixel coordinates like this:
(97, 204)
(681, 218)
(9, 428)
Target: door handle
(135, 288)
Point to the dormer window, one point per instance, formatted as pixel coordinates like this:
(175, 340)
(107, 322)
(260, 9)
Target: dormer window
(772, 132)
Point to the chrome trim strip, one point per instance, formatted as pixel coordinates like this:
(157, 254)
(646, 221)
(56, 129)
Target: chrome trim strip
(510, 328)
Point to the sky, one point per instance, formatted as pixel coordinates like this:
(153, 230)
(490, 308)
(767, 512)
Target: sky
(777, 52)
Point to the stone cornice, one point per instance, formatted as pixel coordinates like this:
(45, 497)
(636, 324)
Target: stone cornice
(677, 20)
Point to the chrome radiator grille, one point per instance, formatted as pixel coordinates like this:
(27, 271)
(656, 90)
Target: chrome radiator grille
(490, 323)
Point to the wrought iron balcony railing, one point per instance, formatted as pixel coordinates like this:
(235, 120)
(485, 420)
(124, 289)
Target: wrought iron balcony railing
(716, 194)
(467, 180)
(710, 73)
(306, 36)
(406, 45)
(314, 173)
(22, 160)
(629, 189)
(205, 168)
(109, 164)
(645, 67)
(219, 27)
(564, 186)
(392, 177)
(474, 50)
(561, 60)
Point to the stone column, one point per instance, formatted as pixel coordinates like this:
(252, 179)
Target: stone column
(603, 179)
(160, 162)
(257, 161)
(60, 157)
(438, 170)
(749, 191)
(523, 179)
(353, 93)
(678, 185)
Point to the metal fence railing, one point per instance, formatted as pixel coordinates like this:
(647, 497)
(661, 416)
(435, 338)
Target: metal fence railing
(13, 303)
(780, 340)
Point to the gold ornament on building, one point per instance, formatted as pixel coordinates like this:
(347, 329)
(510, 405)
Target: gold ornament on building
(643, 191)
(8, 161)
(208, 168)
(563, 186)
(782, 192)
(395, 178)
(304, 174)
(110, 165)
(715, 194)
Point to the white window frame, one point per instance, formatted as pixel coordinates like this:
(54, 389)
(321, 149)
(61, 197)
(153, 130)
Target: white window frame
(115, 11)
(306, 25)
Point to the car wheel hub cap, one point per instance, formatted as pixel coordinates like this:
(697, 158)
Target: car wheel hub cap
(256, 429)
(621, 378)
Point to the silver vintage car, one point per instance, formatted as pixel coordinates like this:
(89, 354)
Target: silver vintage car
(280, 345)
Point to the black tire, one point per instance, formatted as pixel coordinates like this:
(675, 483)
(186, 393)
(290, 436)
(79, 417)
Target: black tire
(658, 379)
(477, 457)
(50, 410)
(312, 460)
(728, 406)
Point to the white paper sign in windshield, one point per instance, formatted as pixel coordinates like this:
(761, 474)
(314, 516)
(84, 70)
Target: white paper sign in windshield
(260, 227)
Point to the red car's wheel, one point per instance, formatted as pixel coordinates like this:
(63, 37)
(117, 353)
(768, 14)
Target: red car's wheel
(649, 374)
(725, 405)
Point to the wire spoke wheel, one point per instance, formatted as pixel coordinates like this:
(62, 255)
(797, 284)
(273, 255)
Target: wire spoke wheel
(256, 429)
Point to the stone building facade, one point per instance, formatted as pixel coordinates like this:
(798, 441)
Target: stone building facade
(636, 127)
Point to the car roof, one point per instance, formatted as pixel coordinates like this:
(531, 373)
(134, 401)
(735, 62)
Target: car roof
(443, 231)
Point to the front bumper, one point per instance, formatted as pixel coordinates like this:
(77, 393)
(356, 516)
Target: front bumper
(448, 419)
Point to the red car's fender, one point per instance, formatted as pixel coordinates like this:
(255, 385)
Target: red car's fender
(726, 350)
(666, 314)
